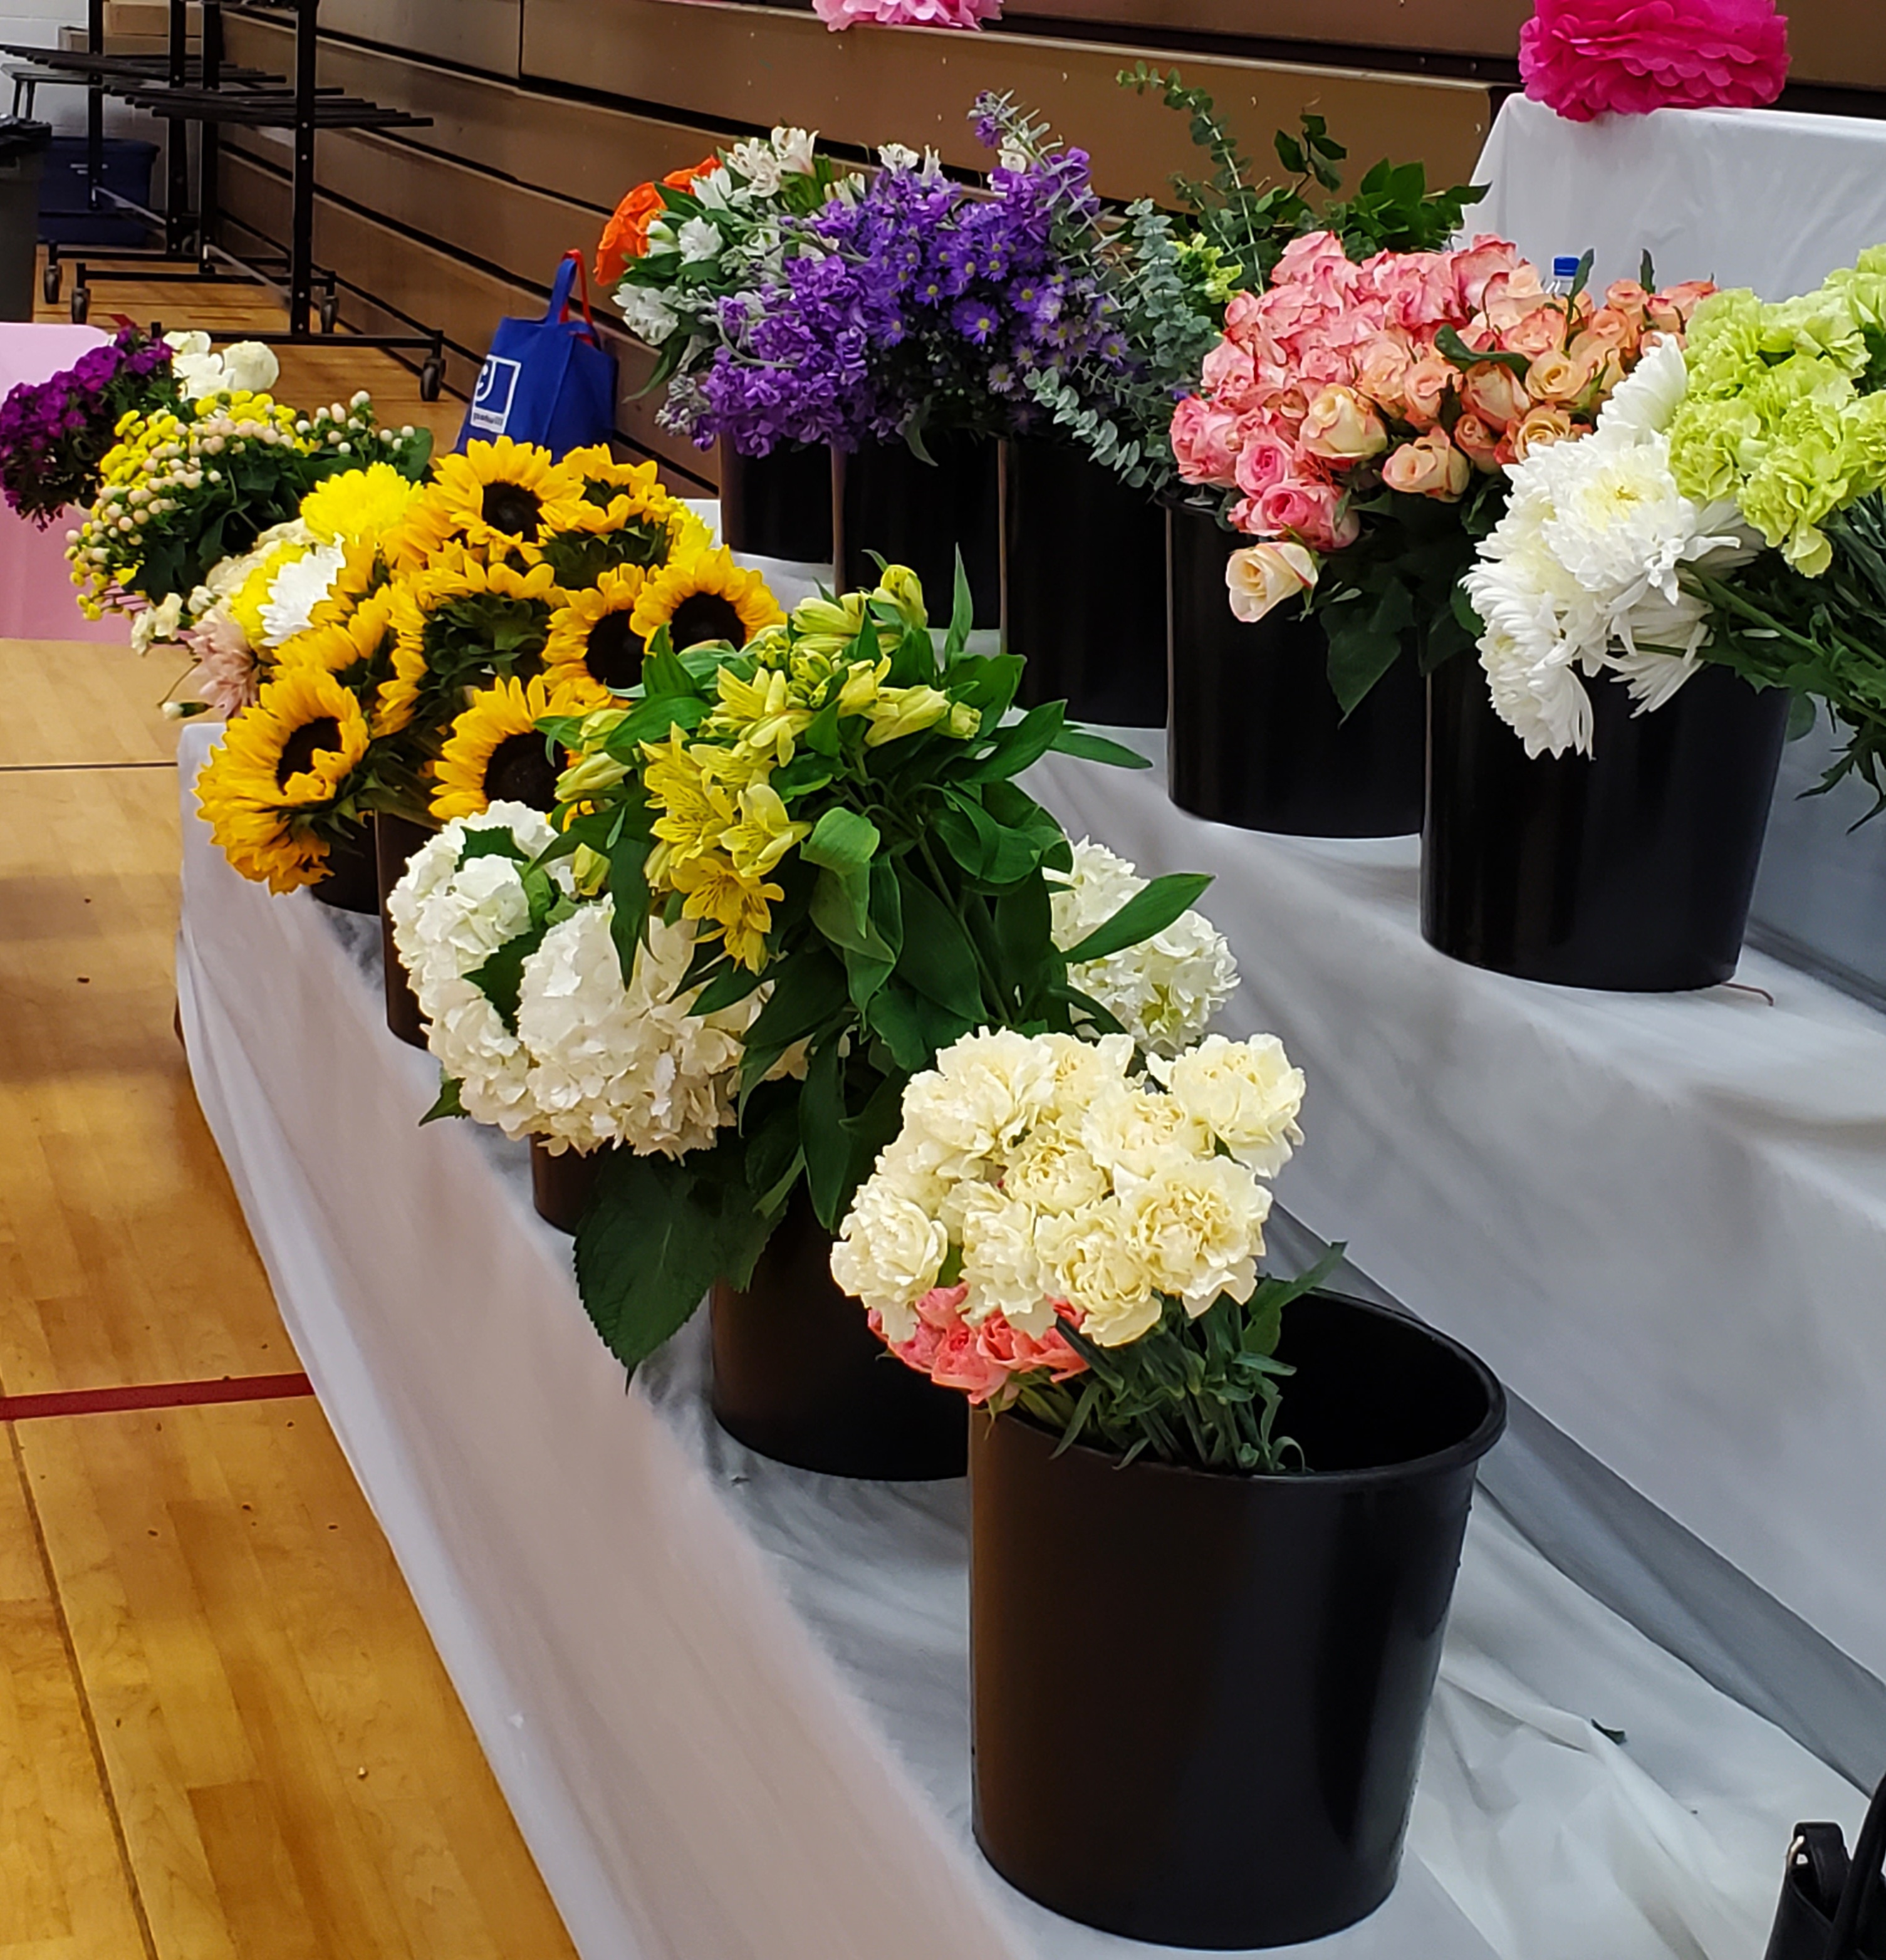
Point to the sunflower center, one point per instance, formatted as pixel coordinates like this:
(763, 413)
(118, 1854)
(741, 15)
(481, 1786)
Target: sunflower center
(519, 772)
(706, 616)
(613, 654)
(512, 509)
(298, 753)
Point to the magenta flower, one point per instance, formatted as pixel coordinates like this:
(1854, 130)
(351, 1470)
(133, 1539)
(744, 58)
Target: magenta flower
(838, 14)
(1585, 58)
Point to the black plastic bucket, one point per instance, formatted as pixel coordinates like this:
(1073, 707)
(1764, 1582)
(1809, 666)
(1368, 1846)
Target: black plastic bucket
(1198, 1698)
(395, 840)
(1631, 868)
(778, 505)
(1255, 736)
(561, 1186)
(1083, 585)
(350, 883)
(800, 1376)
(918, 514)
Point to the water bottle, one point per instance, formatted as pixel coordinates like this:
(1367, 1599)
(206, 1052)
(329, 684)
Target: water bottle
(1564, 275)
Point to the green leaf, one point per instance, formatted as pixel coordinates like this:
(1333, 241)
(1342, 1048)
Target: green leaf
(1019, 745)
(1264, 1312)
(962, 611)
(827, 1150)
(1448, 343)
(1092, 748)
(809, 994)
(448, 1104)
(657, 1235)
(1364, 645)
(1647, 273)
(728, 988)
(841, 841)
(937, 960)
(1146, 913)
(1582, 277)
(841, 910)
(494, 841)
(664, 673)
(628, 890)
(500, 979)
(914, 1029)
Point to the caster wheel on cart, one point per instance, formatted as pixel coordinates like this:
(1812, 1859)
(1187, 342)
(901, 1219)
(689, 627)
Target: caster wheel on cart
(81, 305)
(431, 379)
(330, 310)
(51, 282)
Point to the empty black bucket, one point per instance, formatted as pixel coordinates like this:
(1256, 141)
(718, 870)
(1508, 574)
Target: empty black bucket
(778, 505)
(350, 883)
(800, 1376)
(1198, 1698)
(1631, 868)
(1083, 585)
(1256, 738)
(395, 840)
(884, 500)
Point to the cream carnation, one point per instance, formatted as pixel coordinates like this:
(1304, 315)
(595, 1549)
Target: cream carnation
(889, 1253)
(1094, 1266)
(998, 1084)
(1197, 1224)
(1165, 991)
(1000, 1266)
(1245, 1093)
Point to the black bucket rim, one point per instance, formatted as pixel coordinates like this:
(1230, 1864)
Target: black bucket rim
(1455, 1456)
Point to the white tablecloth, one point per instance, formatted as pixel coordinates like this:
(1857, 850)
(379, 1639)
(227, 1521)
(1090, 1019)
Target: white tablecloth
(1749, 197)
(727, 1700)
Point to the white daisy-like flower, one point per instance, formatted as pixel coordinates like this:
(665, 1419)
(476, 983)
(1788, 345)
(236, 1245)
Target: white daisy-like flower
(296, 589)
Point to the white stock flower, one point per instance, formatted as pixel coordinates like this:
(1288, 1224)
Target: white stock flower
(1586, 560)
(889, 1253)
(1163, 991)
(650, 318)
(1245, 1093)
(698, 241)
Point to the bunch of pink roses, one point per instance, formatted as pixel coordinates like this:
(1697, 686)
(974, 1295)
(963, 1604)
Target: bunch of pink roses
(1413, 372)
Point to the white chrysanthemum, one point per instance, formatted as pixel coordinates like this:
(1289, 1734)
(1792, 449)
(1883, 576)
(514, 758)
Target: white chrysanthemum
(449, 913)
(1582, 573)
(616, 1064)
(889, 1253)
(1165, 991)
(296, 589)
(1245, 1093)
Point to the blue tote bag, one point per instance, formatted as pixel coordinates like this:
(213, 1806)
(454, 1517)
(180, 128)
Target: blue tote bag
(548, 381)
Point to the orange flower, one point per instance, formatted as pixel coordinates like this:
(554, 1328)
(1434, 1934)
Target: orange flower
(625, 236)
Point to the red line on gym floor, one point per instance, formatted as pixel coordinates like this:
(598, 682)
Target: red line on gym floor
(154, 1395)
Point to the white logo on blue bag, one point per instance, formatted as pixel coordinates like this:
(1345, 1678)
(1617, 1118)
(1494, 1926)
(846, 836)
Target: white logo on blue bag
(497, 391)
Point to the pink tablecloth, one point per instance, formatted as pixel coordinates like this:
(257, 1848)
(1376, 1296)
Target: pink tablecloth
(36, 600)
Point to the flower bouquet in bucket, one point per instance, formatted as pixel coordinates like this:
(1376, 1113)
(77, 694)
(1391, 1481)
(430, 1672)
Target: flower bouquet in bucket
(1245, 1479)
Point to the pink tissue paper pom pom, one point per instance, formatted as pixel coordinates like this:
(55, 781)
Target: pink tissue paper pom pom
(838, 14)
(1584, 58)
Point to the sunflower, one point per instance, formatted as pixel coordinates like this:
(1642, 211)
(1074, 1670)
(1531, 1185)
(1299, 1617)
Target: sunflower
(702, 595)
(461, 621)
(494, 753)
(363, 573)
(505, 497)
(592, 634)
(359, 651)
(282, 764)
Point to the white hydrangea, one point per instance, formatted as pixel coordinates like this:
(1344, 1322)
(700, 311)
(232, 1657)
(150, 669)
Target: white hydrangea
(1043, 1175)
(1165, 991)
(1580, 575)
(591, 1062)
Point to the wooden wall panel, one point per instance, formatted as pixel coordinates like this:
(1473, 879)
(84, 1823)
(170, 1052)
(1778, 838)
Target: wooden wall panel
(754, 65)
(1473, 27)
(574, 150)
(471, 33)
(439, 287)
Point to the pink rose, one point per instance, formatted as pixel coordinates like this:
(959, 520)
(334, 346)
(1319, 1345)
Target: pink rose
(1541, 328)
(1429, 466)
(840, 13)
(1607, 327)
(1584, 58)
(1426, 386)
(1242, 314)
(1495, 394)
(1478, 442)
(1381, 370)
(1341, 427)
(1316, 514)
(1229, 375)
(1511, 296)
(1315, 259)
(1263, 459)
(1474, 267)
(1669, 310)
(1627, 297)
(1557, 377)
(1204, 440)
(1418, 289)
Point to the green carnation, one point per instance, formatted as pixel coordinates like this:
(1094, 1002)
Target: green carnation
(1713, 445)
(1803, 478)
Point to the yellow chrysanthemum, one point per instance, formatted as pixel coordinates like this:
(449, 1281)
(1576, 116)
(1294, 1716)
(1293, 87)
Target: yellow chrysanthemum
(736, 903)
(494, 753)
(281, 762)
(592, 635)
(359, 505)
(505, 497)
(702, 595)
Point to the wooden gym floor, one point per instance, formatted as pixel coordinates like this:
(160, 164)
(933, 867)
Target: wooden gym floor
(224, 1732)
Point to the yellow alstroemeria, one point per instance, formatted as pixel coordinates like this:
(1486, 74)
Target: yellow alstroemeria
(863, 685)
(828, 626)
(594, 774)
(718, 892)
(899, 711)
(765, 832)
(904, 590)
(695, 809)
(761, 712)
